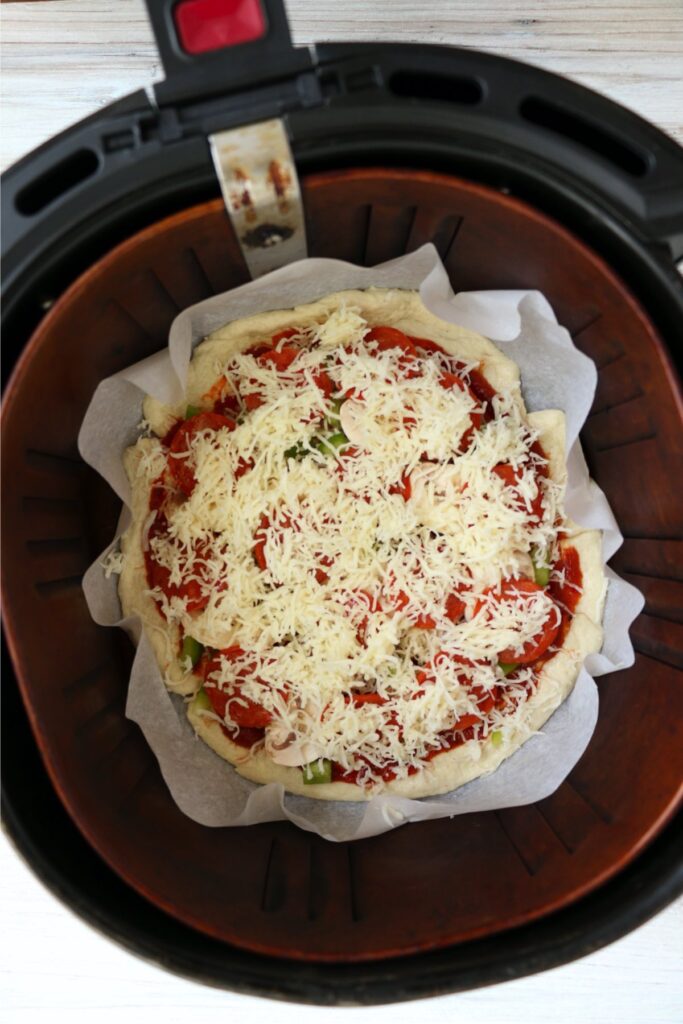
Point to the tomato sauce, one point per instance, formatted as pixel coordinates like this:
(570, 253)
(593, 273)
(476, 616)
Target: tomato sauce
(567, 594)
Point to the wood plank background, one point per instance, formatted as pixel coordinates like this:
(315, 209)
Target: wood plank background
(62, 59)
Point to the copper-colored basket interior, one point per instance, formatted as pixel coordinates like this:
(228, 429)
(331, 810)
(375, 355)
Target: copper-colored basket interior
(273, 887)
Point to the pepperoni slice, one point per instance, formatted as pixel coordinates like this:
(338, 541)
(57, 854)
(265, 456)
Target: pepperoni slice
(424, 621)
(228, 406)
(243, 466)
(466, 722)
(512, 590)
(179, 463)
(507, 474)
(428, 346)
(459, 659)
(229, 702)
(425, 676)
(567, 593)
(387, 338)
(281, 358)
(511, 478)
(262, 348)
(188, 590)
(398, 599)
(421, 621)
(324, 382)
(261, 536)
(349, 451)
(451, 380)
(477, 382)
(390, 337)
(253, 401)
(483, 391)
(283, 522)
(486, 699)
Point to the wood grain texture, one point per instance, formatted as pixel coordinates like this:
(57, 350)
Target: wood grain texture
(63, 59)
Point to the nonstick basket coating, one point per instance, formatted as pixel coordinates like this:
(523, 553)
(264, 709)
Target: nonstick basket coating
(273, 888)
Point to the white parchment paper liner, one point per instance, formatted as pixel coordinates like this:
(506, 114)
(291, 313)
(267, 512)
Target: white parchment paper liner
(555, 375)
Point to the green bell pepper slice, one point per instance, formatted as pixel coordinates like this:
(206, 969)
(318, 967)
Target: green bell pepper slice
(192, 650)
(541, 572)
(200, 701)
(297, 451)
(317, 772)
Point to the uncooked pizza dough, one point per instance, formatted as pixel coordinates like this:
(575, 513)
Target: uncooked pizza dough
(356, 531)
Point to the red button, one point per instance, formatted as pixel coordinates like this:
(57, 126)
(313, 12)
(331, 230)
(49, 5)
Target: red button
(205, 25)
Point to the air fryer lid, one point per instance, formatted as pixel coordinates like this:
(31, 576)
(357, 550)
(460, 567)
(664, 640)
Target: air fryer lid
(421, 106)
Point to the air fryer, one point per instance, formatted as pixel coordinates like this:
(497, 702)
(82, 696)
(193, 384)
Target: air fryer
(521, 180)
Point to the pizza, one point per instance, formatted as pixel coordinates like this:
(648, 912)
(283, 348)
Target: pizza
(349, 550)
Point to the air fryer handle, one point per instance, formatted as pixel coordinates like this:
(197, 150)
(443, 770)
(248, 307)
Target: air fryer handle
(209, 47)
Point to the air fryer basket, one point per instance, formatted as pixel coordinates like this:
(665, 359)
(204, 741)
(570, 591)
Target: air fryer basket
(297, 896)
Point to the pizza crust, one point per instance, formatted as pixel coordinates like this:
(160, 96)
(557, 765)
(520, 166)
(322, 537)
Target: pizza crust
(451, 769)
(391, 307)
(135, 598)
(550, 425)
(588, 545)
(447, 771)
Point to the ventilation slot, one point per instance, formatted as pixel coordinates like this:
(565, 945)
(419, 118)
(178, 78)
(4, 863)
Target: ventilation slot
(571, 126)
(420, 85)
(57, 181)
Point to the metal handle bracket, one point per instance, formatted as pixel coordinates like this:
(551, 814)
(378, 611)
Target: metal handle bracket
(260, 188)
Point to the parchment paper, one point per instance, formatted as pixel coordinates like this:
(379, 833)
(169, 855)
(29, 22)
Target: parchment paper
(555, 375)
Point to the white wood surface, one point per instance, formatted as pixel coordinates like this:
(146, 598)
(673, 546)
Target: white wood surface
(61, 60)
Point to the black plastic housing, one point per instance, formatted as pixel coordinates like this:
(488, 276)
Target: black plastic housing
(611, 178)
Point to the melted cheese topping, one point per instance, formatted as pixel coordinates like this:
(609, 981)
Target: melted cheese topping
(353, 569)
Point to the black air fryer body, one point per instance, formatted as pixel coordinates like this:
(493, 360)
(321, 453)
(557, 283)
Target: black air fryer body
(608, 177)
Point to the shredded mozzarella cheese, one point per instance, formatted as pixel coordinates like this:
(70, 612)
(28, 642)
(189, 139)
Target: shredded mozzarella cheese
(352, 567)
